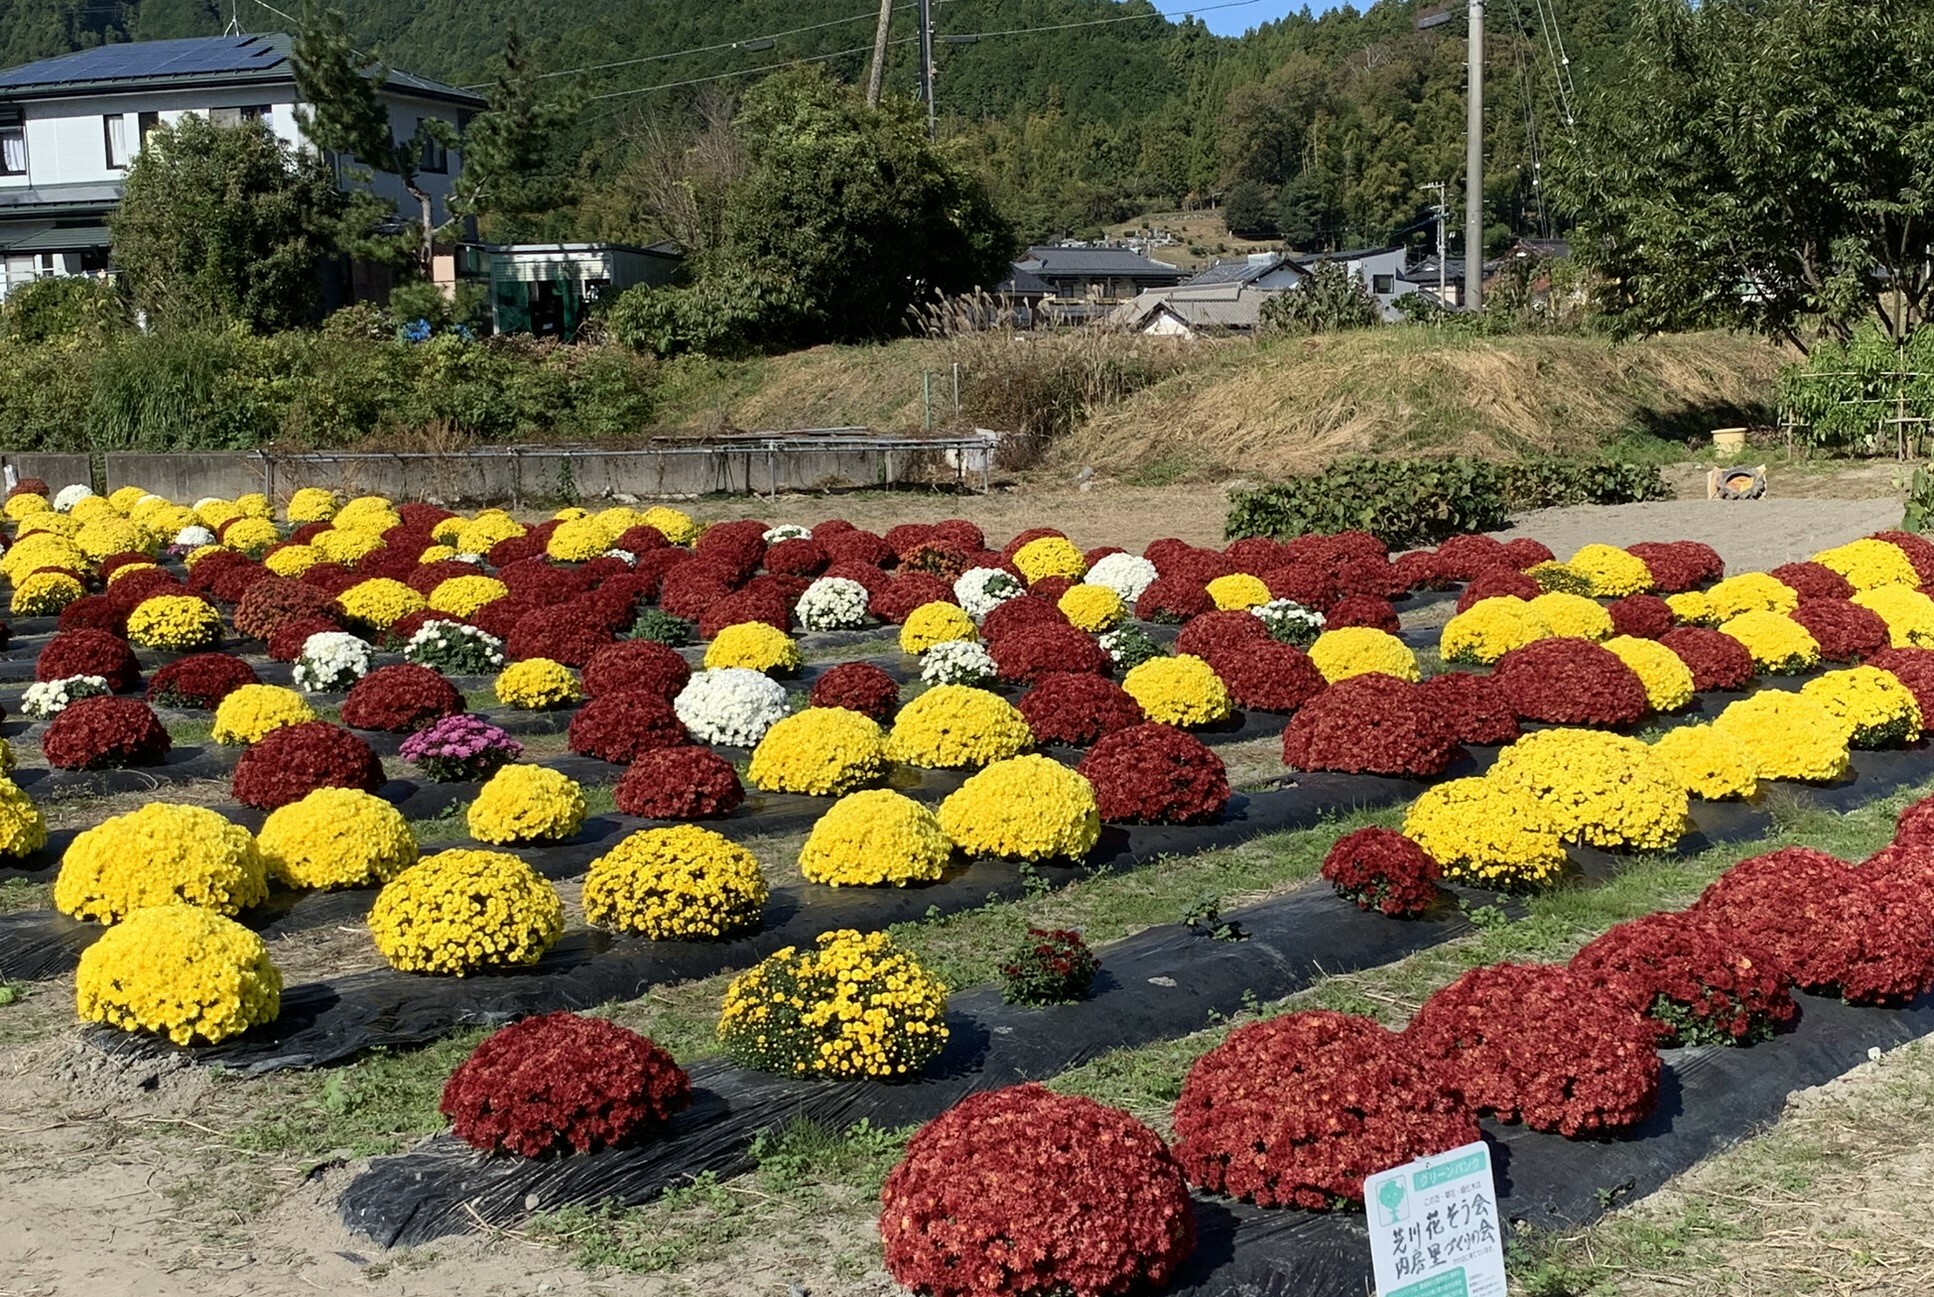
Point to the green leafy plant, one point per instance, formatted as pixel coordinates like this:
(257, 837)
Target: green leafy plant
(1049, 966)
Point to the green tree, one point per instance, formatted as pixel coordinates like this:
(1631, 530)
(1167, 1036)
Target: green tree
(224, 223)
(1330, 300)
(1249, 210)
(514, 162)
(1763, 163)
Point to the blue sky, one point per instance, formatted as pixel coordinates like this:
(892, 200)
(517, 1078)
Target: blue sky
(1237, 19)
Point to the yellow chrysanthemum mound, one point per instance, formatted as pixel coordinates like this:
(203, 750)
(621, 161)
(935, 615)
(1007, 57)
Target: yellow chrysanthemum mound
(1876, 709)
(381, 602)
(312, 504)
(1598, 788)
(367, 513)
(1751, 592)
(537, 684)
(174, 621)
(253, 504)
(956, 727)
(436, 554)
(851, 1006)
(522, 804)
(676, 527)
(877, 838)
(1572, 616)
(1710, 763)
(1362, 650)
(1092, 608)
(247, 714)
(678, 884)
(292, 560)
(99, 540)
(181, 972)
(1238, 590)
(40, 549)
(161, 854)
(124, 498)
(1789, 737)
(23, 829)
(935, 623)
(1484, 833)
(578, 540)
(1181, 690)
(25, 505)
(336, 837)
(1613, 573)
(1050, 556)
(1909, 614)
(56, 524)
(1778, 644)
(1692, 608)
(42, 594)
(345, 545)
(1554, 577)
(754, 646)
(461, 911)
(821, 751)
(1024, 808)
(250, 536)
(484, 531)
(1489, 629)
(1667, 680)
(129, 569)
(1869, 564)
(463, 595)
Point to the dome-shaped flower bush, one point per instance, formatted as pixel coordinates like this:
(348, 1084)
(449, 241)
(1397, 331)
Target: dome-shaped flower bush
(380, 602)
(560, 634)
(732, 706)
(105, 734)
(1571, 682)
(291, 762)
(1751, 592)
(1015, 615)
(1613, 572)
(636, 664)
(1238, 590)
(979, 590)
(1717, 661)
(682, 783)
(1156, 774)
(1179, 690)
(89, 653)
(821, 751)
(1497, 583)
(1026, 655)
(331, 661)
(463, 911)
(1267, 676)
(23, 830)
(1695, 982)
(908, 592)
(1710, 763)
(1875, 708)
(200, 681)
(1667, 679)
(935, 623)
(1486, 834)
(1603, 789)
(1813, 581)
(955, 727)
(1909, 614)
(42, 594)
(832, 603)
(537, 684)
(877, 838)
(1297, 1110)
(559, 1083)
(1370, 724)
(1125, 574)
(1468, 708)
(400, 699)
(526, 804)
(1844, 631)
(451, 648)
(1489, 629)
(1790, 737)
(175, 622)
(336, 837)
(1382, 870)
(679, 884)
(178, 971)
(957, 662)
(1572, 616)
(1050, 556)
(621, 727)
(464, 595)
(1173, 600)
(1868, 564)
(851, 1006)
(1224, 629)
(249, 713)
(1023, 808)
(1678, 566)
(1361, 650)
(273, 601)
(1018, 1192)
(754, 646)
(1092, 608)
(1077, 709)
(1369, 610)
(161, 854)
(858, 687)
(460, 747)
(1913, 668)
(1641, 616)
(1778, 644)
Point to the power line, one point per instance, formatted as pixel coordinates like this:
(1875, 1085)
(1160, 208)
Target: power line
(743, 72)
(1103, 22)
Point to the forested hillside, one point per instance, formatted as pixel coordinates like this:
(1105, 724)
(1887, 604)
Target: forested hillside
(1322, 127)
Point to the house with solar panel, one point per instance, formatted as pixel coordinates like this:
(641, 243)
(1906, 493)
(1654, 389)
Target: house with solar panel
(70, 126)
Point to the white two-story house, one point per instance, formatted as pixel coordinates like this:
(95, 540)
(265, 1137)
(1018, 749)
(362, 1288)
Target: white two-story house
(70, 126)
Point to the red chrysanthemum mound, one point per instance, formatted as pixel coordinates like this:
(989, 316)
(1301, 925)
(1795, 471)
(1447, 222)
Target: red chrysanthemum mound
(95, 612)
(1524, 553)
(1209, 634)
(331, 577)
(1695, 982)
(1914, 830)
(1052, 587)
(560, 634)
(858, 687)
(1680, 565)
(621, 727)
(1919, 551)
(1023, 1192)
(274, 601)
(30, 486)
(1464, 558)
(543, 583)
(1173, 600)
(105, 734)
(1156, 774)
(1422, 570)
(1266, 675)
(681, 783)
(640, 540)
(515, 549)
(799, 556)
(852, 546)
(561, 1083)
(1914, 668)
(1716, 660)
(690, 588)
(1369, 610)
(89, 653)
(1028, 654)
(1382, 870)
(935, 559)
(288, 764)
(636, 664)
(1570, 682)
(1077, 709)
(903, 538)
(1368, 575)
(1535, 1043)
(1019, 614)
(400, 699)
(907, 591)
(1498, 583)
(286, 644)
(1253, 554)
(208, 571)
(738, 546)
(1368, 724)
(200, 681)
(1310, 586)
(1845, 631)
(1295, 1111)
(1867, 933)
(130, 590)
(1470, 708)
(1642, 616)
(748, 605)
(1813, 581)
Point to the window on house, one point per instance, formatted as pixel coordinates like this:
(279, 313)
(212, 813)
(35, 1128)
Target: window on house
(436, 157)
(1383, 285)
(114, 130)
(13, 142)
(236, 116)
(145, 125)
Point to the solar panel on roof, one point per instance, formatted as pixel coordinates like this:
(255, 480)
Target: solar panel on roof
(192, 56)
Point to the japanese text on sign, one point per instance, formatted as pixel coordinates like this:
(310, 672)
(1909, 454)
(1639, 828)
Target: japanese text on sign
(1434, 1228)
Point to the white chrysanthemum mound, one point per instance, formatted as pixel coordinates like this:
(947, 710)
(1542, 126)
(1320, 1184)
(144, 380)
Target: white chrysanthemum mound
(1290, 621)
(49, 698)
(438, 642)
(69, 496)
(1126, 574)
(787, 531)
(194, 536)
(832, 603)
(734, 706)
(983, 589)
(956, 662)
(624, 556)
(331, 661)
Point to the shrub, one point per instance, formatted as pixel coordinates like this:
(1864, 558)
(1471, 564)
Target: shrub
(677, 884)
(250, 712)
(620, 727)
(1572, 616)
(1362, 650)
(1751, 592)
(175, 622)
(1404, 504)
(1156, 774)
(460, 747)
(1612, 572)
(558, 634)
(1092, 608)
(1571, 682)
(851, 1006)
(289, 763)
(755, 646)
(336, 837)
(199, 681)
(273, 601)
(1215, 631)
(874, 839)
(1909, 614)
(858, 687)
(908, 592)
(44, 593)
(23, 830)
(935, 623)
(1490, 1035)
(1180, 690)
(1813, 581)
(526, 804)
(821, 751)
(680, 783)
(1363, 610)
(1026, 655)
(1695, 982)
(1678, 566)
(1487, 834)
(1709, 763)
(462, 911)
(1868, 564)
(1023, 808)
(331, 661)
(1843, 630)
(955, 727)
(1640, 616)
(732, 706)
(1717, 661)
(1296, 1111)
(105, 734)
(1368, 724)
(1602, 789)
(1381, 870)
(400, 699)
(1873, 706)
(89, 653)
(1913, 668)
(1173, 600)
(1077, 709)
(452, 649)
(95, 612)
(1667, 679)
(1789, 737)
(1130, 646)
(1490, 628)
(537, 684)
(161, 854)
(1777, 643)
(1023, 1191)
(179, 971)
(1015, 615)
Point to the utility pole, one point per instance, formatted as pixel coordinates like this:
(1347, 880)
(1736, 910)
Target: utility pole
(879, 54)
(1474, 167)
(926, 66)
(1441, 210)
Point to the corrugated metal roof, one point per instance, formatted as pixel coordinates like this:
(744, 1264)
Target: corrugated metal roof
(1247, 271)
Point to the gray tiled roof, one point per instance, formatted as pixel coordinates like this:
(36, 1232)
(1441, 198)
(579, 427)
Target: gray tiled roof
(1050, 261)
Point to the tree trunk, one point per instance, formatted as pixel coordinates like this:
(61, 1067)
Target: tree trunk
(426, 254)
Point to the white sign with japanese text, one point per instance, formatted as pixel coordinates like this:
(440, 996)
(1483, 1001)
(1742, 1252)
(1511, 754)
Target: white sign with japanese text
(1434, 1227)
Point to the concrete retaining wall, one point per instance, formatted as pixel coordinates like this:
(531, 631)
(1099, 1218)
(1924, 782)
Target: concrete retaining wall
(56, 470)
